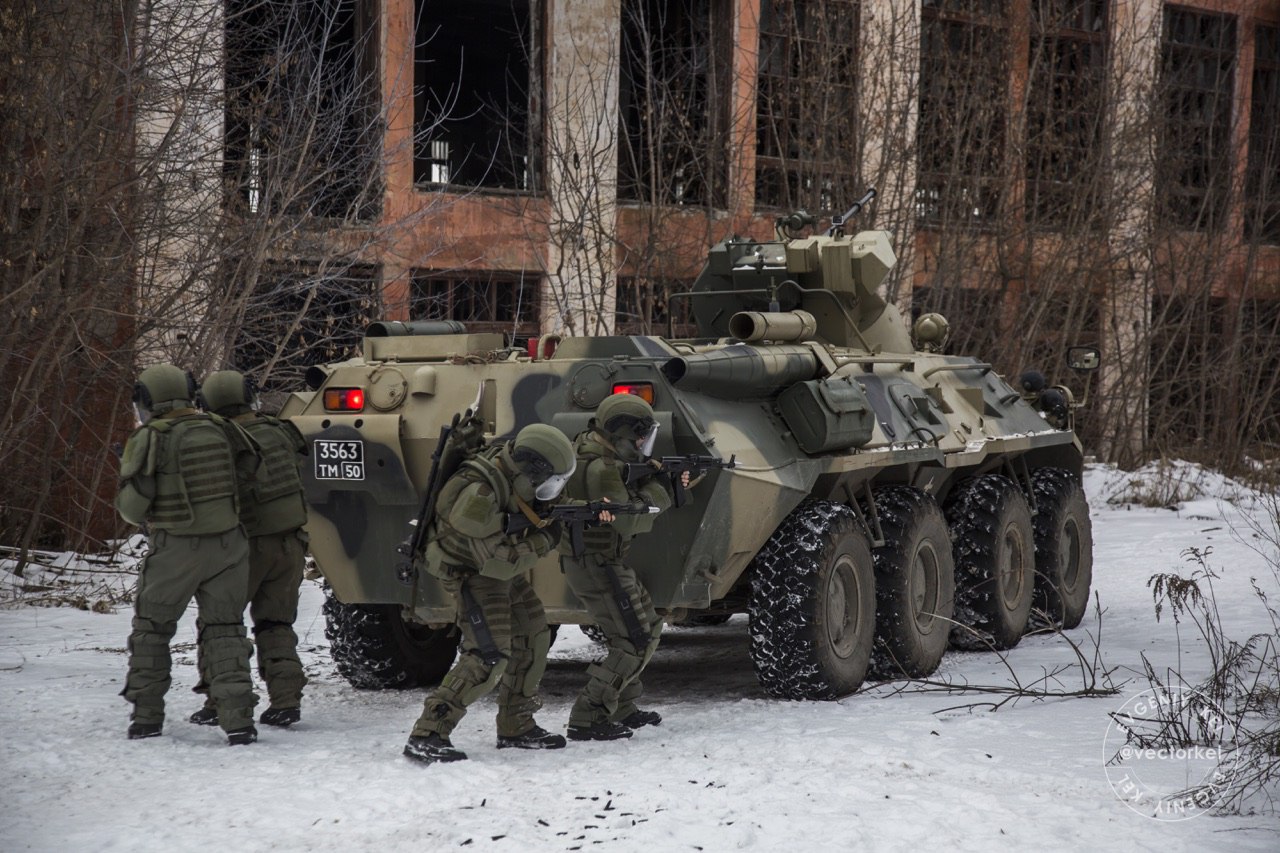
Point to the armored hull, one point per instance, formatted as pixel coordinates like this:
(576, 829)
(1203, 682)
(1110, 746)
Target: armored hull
(862, 459)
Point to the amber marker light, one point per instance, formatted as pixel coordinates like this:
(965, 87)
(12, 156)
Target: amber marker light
(643, 390)
(344, 399)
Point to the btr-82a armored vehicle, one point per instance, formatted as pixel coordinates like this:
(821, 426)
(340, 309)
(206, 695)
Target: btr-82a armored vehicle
(886, 499)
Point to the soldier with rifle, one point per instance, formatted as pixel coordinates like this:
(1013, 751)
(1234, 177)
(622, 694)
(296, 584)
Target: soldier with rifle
(467, 539)
(615, 467)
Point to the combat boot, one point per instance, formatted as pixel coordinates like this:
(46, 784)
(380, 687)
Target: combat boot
(638, 719)
(281, 717)
(242, 737)
(536, 738)
(431, 749)
(603, 730)
(138, 731)
(206, 716)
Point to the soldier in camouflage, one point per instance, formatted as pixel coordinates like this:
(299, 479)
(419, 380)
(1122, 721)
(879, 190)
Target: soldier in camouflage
(178, 474)
(623, 430)
(505, 635)
(273, 511)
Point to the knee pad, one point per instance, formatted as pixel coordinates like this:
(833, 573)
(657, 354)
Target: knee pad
(472, 678)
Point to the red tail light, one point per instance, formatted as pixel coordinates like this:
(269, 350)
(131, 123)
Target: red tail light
(643, 390)
(344, 399)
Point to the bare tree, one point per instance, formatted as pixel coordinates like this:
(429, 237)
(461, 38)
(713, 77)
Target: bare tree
(192, 182)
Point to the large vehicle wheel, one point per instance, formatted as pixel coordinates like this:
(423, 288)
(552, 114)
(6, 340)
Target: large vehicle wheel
(374, 648)
(1064, 547)
(595, 633)
(813, 605)
(994, 549)
(915, 584)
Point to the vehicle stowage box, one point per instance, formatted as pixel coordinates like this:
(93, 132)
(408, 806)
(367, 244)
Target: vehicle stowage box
(828, 414)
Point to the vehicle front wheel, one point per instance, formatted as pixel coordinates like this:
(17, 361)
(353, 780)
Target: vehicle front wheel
(1064, 547)
(812, 606)
(375, 648)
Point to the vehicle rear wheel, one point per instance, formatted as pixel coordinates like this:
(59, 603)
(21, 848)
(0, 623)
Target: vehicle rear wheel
(374, 648)
(595, 633)
(812, 606)
(1064, 547)
(994, 549)
(915, 584)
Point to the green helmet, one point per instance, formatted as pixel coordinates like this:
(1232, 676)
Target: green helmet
(228, 392)
(544, 455)
(629, 422)
(162, 388)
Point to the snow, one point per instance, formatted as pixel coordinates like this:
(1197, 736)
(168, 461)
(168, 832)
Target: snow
(885, 769)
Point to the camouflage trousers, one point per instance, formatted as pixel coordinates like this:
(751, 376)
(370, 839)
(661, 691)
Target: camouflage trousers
(276, 563)
(613, 684)
(214, 570)
(518, 627)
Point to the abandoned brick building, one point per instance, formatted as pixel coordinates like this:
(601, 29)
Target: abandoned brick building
(1050, 169)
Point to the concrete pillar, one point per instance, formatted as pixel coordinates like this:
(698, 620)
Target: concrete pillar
(888, 111)
(1122, 392)
(581, 155)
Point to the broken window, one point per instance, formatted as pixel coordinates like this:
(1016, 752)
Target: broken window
(1065, 110)
(303, 128)
(483, 301)
(1193, 169)
(806, 105)
(673, 101)
(301, 314)
(477, 92)
(645, 306)
(964, 82)
(1262, 181)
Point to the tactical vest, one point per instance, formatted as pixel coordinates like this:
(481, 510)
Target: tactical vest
(273, 502)
(497, 555)
(194, 475)
(612, 539)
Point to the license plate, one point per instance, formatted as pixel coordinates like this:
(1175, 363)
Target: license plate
(338, 460)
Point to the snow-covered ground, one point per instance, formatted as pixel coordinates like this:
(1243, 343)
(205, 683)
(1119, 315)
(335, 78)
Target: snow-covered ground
(727, 769)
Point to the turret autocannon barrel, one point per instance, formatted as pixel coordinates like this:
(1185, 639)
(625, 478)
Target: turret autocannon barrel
(773, 325)
(741, 371)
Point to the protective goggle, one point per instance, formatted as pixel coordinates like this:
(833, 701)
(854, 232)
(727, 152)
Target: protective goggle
(646, 444)
(551, 487)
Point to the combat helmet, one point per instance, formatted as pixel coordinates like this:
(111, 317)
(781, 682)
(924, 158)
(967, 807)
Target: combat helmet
(629, 423)
(229, 393)
(543, 455)
(162, 388)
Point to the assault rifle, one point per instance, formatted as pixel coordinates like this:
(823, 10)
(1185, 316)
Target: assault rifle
(459, 438)
(576, 517)
(674, 466)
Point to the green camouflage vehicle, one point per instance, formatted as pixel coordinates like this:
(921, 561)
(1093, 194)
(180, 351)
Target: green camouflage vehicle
(887, 500)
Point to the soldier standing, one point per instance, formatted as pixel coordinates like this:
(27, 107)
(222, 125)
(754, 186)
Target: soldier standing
(623, 430)
(273, 511)
(178, 474)
(505, 636)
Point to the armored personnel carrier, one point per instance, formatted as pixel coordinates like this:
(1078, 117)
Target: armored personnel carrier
(887, 499)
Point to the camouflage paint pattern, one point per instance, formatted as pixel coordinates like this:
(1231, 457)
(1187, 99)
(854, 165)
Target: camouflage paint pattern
(937, 419)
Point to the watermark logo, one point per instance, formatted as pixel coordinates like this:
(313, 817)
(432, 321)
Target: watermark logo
(1170, 753)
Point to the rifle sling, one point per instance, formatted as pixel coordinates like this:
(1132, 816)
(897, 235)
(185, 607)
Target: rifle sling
(534, 519)
(474, 615)
(639, 636)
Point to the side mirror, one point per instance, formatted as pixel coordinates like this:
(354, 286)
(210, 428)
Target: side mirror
(1084, 359)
